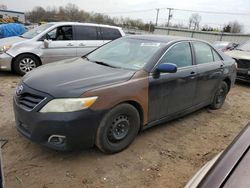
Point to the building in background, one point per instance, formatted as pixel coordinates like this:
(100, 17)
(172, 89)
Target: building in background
(8, 16)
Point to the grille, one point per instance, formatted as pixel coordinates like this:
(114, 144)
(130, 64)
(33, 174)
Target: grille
(244, 64)
(29, 101)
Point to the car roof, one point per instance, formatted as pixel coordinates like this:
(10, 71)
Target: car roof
(162, 38)
(88, 24)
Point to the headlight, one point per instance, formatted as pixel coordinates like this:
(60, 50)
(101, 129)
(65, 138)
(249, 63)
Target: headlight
(68, 105)
(5, 48)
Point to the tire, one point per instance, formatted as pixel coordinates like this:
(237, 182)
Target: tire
(220, 96)
(25, 63)
(118, 129)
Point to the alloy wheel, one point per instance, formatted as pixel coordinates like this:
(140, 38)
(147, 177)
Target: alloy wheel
(27, 64)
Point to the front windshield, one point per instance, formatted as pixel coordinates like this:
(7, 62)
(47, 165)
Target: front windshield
(34, 32)
(126, 53)
(244, 47)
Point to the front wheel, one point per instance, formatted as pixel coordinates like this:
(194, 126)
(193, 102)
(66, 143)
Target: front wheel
(220, 96)
(25, 63)
(118, 128)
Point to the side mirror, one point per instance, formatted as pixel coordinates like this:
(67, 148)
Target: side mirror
(46, 43)
(167, 68)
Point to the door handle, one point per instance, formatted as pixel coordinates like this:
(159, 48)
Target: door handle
(70, 44)
(221, 67)
(81, 44)
(192, 73)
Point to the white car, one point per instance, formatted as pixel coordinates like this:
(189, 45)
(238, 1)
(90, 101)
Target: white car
(53, 42)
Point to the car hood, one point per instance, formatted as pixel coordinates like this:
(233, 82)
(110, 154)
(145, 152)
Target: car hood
(71, 78)
(11, 40)
(237, 54)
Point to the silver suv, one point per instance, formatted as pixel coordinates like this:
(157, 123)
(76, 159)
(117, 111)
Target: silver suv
(53, 42)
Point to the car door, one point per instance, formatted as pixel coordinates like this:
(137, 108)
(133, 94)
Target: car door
(87, 39)
(170, 93)
(60, 44)
(209, 71)
(109, 34)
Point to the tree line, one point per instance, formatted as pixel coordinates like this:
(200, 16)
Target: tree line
(71, 12)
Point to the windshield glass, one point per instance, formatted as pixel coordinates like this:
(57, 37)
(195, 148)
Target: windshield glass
(244, 46)
(126, 53)
(34, 32)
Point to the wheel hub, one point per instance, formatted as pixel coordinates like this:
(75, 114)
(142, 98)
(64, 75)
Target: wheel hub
(220, 96)
(119, 129)
(27, 64)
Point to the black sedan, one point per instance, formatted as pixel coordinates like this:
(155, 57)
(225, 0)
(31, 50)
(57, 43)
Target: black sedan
(127, 85)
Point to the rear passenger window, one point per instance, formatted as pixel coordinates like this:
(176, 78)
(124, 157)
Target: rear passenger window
(203, 53)
(216, 56)
(180, 54)
(86, 33)
(110, 33)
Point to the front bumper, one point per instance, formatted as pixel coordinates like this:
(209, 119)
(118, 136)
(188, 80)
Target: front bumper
(243, 74)
(78, 128)
(5, 62)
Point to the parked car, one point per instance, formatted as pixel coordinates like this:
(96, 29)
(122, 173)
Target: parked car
(125, 86)
(224, 46)
(242, 56)
(230, 168)
(53, 42)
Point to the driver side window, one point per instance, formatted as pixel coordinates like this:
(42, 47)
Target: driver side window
(179, 54)
(60, 33)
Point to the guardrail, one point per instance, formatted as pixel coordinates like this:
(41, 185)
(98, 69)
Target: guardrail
(204, 35)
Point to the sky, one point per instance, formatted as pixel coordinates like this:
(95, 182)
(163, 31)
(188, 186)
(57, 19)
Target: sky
(124, 8)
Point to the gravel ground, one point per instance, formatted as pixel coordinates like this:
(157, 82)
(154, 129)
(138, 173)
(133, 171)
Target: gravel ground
(167, 155)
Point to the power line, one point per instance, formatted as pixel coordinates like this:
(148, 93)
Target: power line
(132, 11)
(185, 10)
(213, 12)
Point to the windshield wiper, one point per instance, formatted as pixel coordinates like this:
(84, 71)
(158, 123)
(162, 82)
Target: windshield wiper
(21, 36)
(102, 63)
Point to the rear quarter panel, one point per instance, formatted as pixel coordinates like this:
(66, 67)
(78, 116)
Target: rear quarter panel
(230, 70)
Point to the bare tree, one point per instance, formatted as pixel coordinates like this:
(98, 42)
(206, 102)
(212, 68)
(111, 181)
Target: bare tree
(71, 12)
(236, 27)
(3, 7)
(233, 27)
(194, 22)
(37, 14)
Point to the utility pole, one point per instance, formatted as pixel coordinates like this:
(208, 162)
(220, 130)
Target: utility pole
(169, 15)
(157, 16)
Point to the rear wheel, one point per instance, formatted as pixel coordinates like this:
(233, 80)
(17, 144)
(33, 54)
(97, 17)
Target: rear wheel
(25, 63)
(118, 128)
(220, 96)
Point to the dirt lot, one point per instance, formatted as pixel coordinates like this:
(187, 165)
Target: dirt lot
(163, 156)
